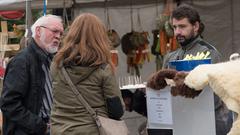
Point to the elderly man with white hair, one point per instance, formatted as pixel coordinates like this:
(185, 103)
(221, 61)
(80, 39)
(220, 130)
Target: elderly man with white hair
(27, 88)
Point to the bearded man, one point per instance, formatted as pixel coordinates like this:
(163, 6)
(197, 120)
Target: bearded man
(26, 97)
(188, 27)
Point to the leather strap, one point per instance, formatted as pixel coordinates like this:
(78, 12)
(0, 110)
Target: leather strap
(78, 94)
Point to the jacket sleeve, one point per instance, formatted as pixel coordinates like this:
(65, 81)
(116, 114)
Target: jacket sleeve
(112, 94)
(165, 61)
(15, 89)
(169, 57)
(215, 56)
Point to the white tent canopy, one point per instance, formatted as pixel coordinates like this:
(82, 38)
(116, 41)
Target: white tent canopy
(36, 4)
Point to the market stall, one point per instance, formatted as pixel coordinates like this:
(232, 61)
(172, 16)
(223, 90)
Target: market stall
(220, 17)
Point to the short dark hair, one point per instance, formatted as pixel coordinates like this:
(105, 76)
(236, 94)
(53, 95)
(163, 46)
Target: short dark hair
(185, 11)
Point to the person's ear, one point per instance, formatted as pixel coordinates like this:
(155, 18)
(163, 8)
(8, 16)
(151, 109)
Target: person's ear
(37, 31)
(196, 27)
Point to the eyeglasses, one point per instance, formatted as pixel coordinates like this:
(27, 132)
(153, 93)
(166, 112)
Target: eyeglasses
(54, 31)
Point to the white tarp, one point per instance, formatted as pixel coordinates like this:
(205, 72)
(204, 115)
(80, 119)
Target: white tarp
(89, 1)
(36, 4)
(7, 2)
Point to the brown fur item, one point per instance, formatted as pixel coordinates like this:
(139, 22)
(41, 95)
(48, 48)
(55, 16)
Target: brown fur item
(181, 89)
(157, 81)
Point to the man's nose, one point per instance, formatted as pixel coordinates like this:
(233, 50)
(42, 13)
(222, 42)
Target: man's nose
(58, 35)
(177, 31)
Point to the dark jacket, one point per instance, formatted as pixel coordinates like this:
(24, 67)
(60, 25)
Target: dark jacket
(23, 87)
(197, 45)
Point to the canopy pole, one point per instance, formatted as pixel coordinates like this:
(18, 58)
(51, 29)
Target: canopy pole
(44, 7)
(28, 18)
(28, 23)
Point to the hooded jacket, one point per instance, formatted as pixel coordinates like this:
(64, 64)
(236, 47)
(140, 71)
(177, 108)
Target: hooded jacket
(69, 117)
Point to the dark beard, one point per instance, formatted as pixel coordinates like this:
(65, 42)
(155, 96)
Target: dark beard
(186, 41)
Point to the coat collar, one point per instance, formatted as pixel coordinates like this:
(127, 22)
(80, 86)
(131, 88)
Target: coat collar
(192, 44)
(40, 53)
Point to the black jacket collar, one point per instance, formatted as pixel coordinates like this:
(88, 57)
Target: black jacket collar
(40, 53)
(192, 44)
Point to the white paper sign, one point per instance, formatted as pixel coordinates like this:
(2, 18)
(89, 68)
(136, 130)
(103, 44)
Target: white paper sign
(159, 105)
(185, 116)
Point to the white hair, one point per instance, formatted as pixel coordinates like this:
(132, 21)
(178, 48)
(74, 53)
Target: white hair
(43, 21)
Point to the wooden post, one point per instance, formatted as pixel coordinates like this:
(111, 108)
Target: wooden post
(5, 35)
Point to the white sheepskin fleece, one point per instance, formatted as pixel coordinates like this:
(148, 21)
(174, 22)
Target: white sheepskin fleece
(224, 79)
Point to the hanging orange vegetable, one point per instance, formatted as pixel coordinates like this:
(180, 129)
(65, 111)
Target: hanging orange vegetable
(114, 56)
(163, 40)
(173, 43)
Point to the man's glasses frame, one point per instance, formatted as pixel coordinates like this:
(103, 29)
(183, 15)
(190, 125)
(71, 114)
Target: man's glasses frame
(54, 31)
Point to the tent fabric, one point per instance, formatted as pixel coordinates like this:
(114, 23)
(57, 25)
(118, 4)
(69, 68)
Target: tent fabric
(12, 14)
(221, 19)
(7, 2)
(36, 4)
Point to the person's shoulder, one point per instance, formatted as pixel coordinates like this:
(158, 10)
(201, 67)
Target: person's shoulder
(104, 66)
(206, 44)
(105, 70)
(175, 52)
(23, 57)
(215, 54)
(172, 54)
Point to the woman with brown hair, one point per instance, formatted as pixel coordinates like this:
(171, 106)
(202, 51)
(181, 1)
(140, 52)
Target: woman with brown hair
(86, 57)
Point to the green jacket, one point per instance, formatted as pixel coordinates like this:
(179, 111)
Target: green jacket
(68, 116)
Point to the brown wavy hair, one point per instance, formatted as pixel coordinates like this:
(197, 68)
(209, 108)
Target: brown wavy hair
(86, 43)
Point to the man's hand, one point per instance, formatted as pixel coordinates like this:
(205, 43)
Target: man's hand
(48, 129)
